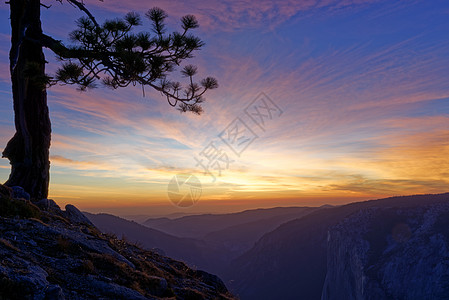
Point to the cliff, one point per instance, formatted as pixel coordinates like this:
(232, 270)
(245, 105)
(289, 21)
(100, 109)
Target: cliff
(47, 253)
(299, 258)
(390, 253)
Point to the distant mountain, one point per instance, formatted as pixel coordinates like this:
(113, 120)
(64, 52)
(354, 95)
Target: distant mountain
(142, 218)
(345, 252)
(240, 238)
(198, 226)
(212, 252)
(191, 251)
(291, 261)
(136, 218)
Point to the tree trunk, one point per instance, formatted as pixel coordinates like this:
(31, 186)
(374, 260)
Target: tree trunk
(28, 150)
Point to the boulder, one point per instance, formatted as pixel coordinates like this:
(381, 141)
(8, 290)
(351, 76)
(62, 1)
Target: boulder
(48, 205)
(19, 193)
(54, 292)
(211, 280)
(75, 215)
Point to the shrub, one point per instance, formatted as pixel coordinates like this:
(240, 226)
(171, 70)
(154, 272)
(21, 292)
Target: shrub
(21, 208)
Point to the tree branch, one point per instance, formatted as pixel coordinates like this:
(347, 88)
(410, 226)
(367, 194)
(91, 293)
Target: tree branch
(116, 56)
(83, 8)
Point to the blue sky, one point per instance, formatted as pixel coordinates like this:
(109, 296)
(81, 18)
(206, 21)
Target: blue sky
(362, 85)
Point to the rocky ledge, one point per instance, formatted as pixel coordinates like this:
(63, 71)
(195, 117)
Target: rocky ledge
(48, 253)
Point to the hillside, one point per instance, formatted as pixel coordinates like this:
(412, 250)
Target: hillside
(212, 252)
(48, 253)
(239, 238)
(195, 252)
(377, 247)
(291, 261)
(182, 248)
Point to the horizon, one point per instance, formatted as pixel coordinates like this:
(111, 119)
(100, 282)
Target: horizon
(176, 212)
(358, 93)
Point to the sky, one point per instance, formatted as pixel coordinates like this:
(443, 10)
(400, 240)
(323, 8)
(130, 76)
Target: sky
(320, 101)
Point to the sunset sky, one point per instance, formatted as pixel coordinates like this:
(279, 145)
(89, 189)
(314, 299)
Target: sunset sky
(363, 86)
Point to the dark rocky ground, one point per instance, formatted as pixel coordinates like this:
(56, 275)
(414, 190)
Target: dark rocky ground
(47, 253)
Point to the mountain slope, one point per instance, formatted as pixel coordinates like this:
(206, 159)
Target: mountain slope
(47, 253)
(240, 238)
(212, 253)
(291, 261)
(190, 250)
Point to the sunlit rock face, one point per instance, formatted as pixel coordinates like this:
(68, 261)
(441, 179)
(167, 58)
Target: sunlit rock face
(390, 253)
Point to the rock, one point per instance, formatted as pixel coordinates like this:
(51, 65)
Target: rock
(50, 258)
(48, 205)
(22, 278)
(211, 280)
(5, 191)
(19, 193)
(54, 292)
(159, 285)
(74, 215)
(114, 291)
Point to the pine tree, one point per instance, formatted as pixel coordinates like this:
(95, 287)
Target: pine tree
(111, 54)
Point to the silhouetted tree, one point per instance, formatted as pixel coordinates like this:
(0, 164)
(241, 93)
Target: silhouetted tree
(110, 53)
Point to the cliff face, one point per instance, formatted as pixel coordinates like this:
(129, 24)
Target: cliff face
(47, 253)
(390, 253)
(291, 261)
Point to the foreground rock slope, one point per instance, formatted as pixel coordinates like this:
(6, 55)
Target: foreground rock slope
(47, 253)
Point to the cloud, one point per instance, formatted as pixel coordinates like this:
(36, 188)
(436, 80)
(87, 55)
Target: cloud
(390, 187)
(363, 115)
(63, 160)
(59, 160)
(234, 14)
